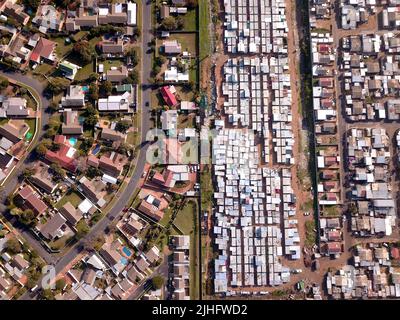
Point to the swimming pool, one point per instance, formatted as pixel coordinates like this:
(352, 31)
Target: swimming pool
(85, 88)
(124, 261)
(72, 141)
(126, 251)
(96, 149)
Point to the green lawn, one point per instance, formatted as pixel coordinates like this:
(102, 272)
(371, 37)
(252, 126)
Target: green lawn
(84, 72)
(71, 196)
(62, 49)
(44, 69)
(32, 124)
(203, 28)
(190, 21)
(184, 218)
(110, 63)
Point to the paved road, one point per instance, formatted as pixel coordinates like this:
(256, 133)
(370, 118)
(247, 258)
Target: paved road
(116, 212)
(12, 182)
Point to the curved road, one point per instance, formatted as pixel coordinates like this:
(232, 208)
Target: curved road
(12, 181)
(117, 210)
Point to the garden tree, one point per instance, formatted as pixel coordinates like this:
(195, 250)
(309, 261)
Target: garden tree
(84, 51)
(179, 22)
(93, 77)
(43, 146)
(133, 77)
(156, 70)
(189, 86)
(133, 55)
(57, 85)
(111, 188)
(122, 126)
(58, 172)
(27, 217)
(55, 147)
(93, 172)
(54, 123)
(157, 282)
(136, 33)
(31, 4)
(3, 83)
(169, 23)
(86, 144)
(93, 91)
(47, 294)
(53, 106)
(28, 172)
(106, 87)
(82, 229)
(50, 133)
(160, 60)
(16, 211)
(60, 284)
(125, 148)
(33, 277)
(91, 116)
(13, 246)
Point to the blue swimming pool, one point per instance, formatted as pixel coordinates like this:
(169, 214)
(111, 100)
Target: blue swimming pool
(73, 141)
(85, 88)
(96, 149)
(126, 251)
(124, 261)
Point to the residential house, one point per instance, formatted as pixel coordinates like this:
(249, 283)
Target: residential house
(65, 156)
(112, 135)
(75, 97)
(31, 200)
(42, 178)
(72, 214)
(117, 74)
(172, 47)
(112, 47)
(44, 51)
(71, 125)
(112, 165)
(48, 19)
(54, 228)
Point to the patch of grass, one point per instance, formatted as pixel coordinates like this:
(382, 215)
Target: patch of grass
(110, 63)
(32, 124)
(311, 236)
(204, 22)
(187, 40)
(84, 72)
(62, 48)
(184, 218)
(190, 20)
(44, 69)
(71, 196)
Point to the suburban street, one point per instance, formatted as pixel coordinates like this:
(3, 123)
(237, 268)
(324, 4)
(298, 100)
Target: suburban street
(12, 182)
(117, 210)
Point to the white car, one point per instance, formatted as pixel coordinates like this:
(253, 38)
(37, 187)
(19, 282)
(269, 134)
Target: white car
(306, 213)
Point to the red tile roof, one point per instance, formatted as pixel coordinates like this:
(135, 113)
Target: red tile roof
(43, 48)
(60, 156)
(168, 96)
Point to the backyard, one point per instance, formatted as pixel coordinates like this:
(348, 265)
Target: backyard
(71, 196)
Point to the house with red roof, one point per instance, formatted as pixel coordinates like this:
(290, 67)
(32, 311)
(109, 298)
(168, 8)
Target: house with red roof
(44, 50)
(31, 200)
(65, 156)
(168, 96)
